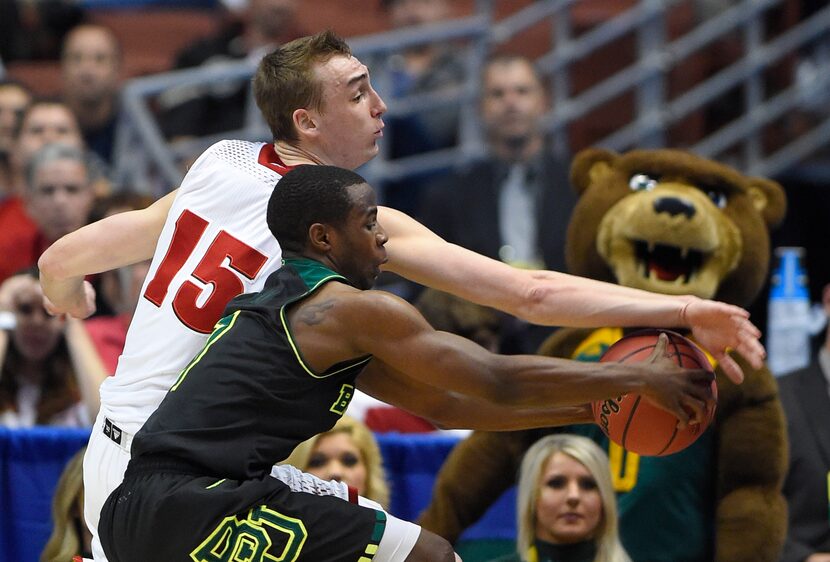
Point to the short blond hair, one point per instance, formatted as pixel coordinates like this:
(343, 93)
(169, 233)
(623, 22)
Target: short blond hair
(285, 82)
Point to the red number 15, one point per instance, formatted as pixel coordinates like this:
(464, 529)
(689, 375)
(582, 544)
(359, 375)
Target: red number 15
(226, 285)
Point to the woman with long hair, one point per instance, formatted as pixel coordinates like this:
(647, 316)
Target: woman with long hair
(566, 506)
(49, 369)
(70, 536)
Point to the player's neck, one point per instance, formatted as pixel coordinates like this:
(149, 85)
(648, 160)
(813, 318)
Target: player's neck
(292, 155)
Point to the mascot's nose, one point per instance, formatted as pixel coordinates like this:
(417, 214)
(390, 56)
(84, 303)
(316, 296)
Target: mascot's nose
(674, 206)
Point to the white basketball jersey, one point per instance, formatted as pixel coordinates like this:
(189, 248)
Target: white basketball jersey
(215, 244)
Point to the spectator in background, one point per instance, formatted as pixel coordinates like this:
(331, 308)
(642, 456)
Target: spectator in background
(16, 224)
(59, 196)
(347, 453)
(43, 122)
(69, 537)
(805, 395)
(431, 68)
(58, 199)
(119, 288)
(14, 99)
(49, 370)
(256, 28)
(566, 507)
(33, 29)
(91, 72)
(514, 203)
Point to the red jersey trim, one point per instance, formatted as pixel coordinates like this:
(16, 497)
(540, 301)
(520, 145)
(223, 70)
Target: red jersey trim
(353, 495)
(269, 158)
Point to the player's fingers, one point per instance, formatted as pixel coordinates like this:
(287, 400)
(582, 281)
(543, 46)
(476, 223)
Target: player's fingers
(672, 407)
(753, 352)
(682, 415)
(698, 375)
(698, 409)
(750, 328)
(660, 346)
(730, 367)
(49, 306)
(736, 310)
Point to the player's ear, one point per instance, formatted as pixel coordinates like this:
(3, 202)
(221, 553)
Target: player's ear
(319, 237)
(304, 121)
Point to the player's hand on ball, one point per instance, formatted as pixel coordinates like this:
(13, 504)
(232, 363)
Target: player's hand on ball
(681, 391)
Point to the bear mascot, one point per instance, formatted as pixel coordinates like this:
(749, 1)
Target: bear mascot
(671, 222)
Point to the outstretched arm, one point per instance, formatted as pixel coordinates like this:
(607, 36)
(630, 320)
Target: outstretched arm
(553, 298)
(449, 410)
(110, 243)
(390, 329)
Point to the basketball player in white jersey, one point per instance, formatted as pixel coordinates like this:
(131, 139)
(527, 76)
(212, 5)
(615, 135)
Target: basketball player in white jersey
(209, 242)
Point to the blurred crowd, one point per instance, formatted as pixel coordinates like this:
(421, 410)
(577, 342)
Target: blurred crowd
(511, 203)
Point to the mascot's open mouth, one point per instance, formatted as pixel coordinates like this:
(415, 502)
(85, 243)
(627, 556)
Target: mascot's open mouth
(667, 262)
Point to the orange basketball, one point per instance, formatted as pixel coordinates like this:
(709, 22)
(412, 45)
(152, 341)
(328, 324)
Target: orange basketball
(635, 423)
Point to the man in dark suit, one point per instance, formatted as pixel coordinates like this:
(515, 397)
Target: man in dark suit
(805, 395)
(514, 204)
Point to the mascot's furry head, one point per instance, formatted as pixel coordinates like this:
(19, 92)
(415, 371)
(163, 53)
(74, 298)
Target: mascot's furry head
(672, 222)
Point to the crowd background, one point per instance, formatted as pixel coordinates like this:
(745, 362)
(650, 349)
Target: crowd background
(477, 145)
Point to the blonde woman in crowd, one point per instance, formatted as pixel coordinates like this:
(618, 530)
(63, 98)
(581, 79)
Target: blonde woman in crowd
(566, 507)
(347, 453)
(69, 537)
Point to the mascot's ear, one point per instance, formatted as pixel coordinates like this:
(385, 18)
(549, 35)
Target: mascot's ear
(769, 199)
(589, 165)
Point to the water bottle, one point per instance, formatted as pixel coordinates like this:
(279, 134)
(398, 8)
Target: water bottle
(788, 317)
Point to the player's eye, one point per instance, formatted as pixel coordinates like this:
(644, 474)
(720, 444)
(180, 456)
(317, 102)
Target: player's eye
(642, 182)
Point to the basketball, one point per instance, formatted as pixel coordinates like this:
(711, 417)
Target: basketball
(635, 423)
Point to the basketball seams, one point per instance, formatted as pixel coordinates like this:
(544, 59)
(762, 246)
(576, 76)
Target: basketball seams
(630, 418)
(671, 439)
(685, 354)
(624, 358)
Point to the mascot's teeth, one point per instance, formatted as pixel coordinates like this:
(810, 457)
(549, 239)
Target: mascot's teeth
(684, 253)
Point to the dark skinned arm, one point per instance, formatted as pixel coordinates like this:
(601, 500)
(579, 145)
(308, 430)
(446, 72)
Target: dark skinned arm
(389, 328)
(448, 410)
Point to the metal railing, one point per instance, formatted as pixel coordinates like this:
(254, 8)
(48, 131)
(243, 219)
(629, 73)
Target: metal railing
(158, 163)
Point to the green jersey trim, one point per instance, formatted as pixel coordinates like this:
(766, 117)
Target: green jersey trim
(219, 330)
(312, 272)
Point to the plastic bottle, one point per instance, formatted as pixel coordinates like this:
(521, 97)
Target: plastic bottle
(788, 316)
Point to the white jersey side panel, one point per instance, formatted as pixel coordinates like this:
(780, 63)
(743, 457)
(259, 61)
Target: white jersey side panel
(214, 245)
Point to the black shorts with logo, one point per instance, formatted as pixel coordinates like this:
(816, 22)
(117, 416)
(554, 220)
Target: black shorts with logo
(160, 513)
